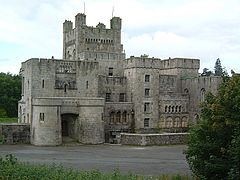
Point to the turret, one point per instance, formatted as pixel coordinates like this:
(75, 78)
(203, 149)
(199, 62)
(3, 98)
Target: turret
(67, 26)
(116, 23)
(80, 19)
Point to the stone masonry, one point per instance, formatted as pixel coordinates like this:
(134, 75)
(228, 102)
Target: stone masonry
(94, 93)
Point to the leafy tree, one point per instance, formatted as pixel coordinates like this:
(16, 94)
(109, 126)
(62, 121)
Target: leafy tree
(10, 94)
(214, 143)
(218, 68)
(206, 72)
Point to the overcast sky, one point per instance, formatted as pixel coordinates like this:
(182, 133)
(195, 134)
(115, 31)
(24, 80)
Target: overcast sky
(204, 29)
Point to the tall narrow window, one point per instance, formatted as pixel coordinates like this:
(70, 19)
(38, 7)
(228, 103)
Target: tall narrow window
(112, 117)
(180, 109)
(202, 96)
(146, 107)
(166, 109)
(124, 117)
(146, 122)
(118, 117)
(110, 71)
(108, 97)
(65, 87)
(147, 78)
(86, 84)
(43, 83)
(41, 117)
(122, 97)
(147, 92)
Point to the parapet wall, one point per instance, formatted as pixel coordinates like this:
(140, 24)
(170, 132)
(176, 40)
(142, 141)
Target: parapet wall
(13, 133)
(145, 62)
(153, 139)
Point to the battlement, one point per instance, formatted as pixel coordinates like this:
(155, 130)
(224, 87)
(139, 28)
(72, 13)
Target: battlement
(90, 39)
(184, 63)
(156, 63)
(142, 62)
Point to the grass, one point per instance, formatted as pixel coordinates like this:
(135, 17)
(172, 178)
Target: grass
(11, 168)
(8, 120)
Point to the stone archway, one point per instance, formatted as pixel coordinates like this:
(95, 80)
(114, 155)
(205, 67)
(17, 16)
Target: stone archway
(69, 127)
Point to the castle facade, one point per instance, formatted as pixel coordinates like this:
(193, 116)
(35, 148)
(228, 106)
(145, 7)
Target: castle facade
(94, 93)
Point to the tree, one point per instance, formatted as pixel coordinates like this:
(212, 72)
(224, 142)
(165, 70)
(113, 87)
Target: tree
(214, 143)
(10, 94)
(206, 72)
(218, 68)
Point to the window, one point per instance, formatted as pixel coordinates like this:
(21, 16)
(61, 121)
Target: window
(176, 109)
(110, 71)
(166, 109)
(111, 117)
(146, 122)
(147, 92)
(124, 117)
(202, 96)
(118, 117)
(108, 97)
(65, 87)
(180, 109)
(86, 84)
(169, 109)
(122, 97)
(43, 83)
(146, 107)
(41, 117)
(147, 78)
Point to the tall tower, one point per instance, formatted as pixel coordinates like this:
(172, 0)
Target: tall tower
(67, 27)
(80, 19)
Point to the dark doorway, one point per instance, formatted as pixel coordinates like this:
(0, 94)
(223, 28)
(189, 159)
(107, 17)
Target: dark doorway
(64, 127)
(69, 127)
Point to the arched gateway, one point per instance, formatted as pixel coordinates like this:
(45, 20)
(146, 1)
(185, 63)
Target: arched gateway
(54, 119)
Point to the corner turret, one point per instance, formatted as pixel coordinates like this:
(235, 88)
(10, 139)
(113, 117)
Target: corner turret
(67, 26)
(80, 19)
(116, 23)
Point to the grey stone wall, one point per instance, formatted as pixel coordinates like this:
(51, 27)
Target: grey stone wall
(153, 139)
(14, 133)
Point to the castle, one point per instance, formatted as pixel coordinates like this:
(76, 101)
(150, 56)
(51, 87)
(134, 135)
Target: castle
(94, 93)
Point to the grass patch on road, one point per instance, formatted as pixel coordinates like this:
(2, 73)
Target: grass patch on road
(11, 168)
(8, 120)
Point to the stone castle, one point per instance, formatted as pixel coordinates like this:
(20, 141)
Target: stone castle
(94, 93)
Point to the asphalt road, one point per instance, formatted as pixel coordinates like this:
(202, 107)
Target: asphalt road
(154, 160)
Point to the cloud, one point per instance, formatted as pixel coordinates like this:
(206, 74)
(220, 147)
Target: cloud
(189, 28)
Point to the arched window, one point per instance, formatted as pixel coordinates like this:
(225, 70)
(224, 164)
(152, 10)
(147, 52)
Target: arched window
(111, 117)
(169, 122)
(173, 108)
(166, 109)
(180, 109)
(118, 117)
(124, 117)
(177, 122)
(65, 87)
(176, 109)
(169, 109)
(184, 122)
(202, 95)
